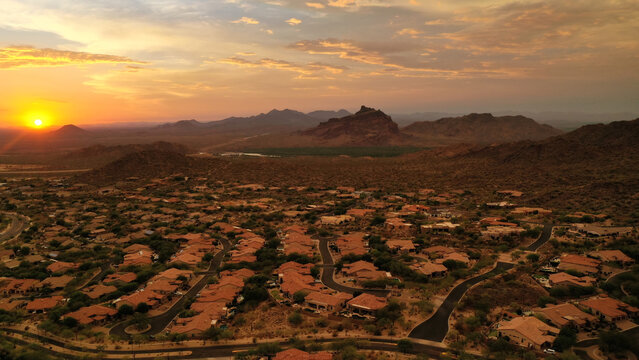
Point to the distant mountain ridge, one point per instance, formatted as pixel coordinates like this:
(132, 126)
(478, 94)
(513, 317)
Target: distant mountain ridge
(70, 131)
(368, 126)
(482, 129)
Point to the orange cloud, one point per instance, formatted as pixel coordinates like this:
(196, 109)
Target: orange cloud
(306, 71)
(246, 20)
(28, 56)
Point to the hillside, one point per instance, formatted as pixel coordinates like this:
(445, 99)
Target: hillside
(366, 127)
(70, 131)
(480, 129)
(99, 155)
(561, 172)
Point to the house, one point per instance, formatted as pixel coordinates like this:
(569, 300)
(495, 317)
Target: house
(565, 279)
(151, 298)
(295, 354)
(610, 309)
(142, 257)
(326, 302)
(94, 314)
(55, 283)
(456, 256)
(402, 246)
(398, 226)
(445, 226)
(614, 256)
(566, 314)
(366, 304)
(431, 269)
(97, 291)
(336, 219)
(121, 277)
(498, 232)
(599, 231)
(352, 243)
(363, 270)
(18, 286)
(61, 267)
(530, 211)
(193, 325)
(44, 304)
(528, 332)
(579, 263)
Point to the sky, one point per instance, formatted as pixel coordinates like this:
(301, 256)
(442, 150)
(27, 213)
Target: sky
(99, 61)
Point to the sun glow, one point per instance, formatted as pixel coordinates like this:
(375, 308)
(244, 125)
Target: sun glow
(37, 123)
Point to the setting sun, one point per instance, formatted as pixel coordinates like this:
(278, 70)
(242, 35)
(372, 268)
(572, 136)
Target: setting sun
(37, 122)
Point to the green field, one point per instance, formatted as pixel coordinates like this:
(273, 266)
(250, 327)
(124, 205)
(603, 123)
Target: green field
(373, 151)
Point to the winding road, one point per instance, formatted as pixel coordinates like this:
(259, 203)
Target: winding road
(17, 226)
(328, 272)
(160, 322)
(215, 350)
(435, 327)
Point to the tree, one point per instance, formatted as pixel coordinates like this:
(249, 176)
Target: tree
(70, 322)
(614, 342)
(295, 318)
(142, 308)
(125, 310)
(299, 296)
(140, 321)
(532, 257)
(207, 257)
(566, 338)
(405, 345)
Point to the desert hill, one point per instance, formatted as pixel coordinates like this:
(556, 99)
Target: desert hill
(368, 126)
(70, 131)
(480, 129)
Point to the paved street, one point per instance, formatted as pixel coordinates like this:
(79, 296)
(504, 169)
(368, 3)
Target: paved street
(329, 271)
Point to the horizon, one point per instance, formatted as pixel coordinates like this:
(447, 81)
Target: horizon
(143, 62)
(565, 119)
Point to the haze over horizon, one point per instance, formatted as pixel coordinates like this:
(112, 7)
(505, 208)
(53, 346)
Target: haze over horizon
(100, 62)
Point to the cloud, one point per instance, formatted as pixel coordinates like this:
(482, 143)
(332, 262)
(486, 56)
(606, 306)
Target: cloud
(245, 20)
(28, 56)
(342, 3)
(343, 49)
(307, 70)
(410, 32)
(315, 5)
(293, 21)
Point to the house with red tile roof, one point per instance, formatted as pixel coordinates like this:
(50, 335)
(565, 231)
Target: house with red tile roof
(613, 256)
(398, 226)
(610, 309)
(579, 263)
(55, 282)
(94, 314)
(295, 354)
(366, 304)
(352, 243)
(565, 279)
(97, 291)
(151, 298)
(528, 332)
(18, 286)
(122, 277)
(61, 267)
(566, 315)
(431, 269)
(44, 304)
(326, 302)
(402, 246)
(142, 257)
